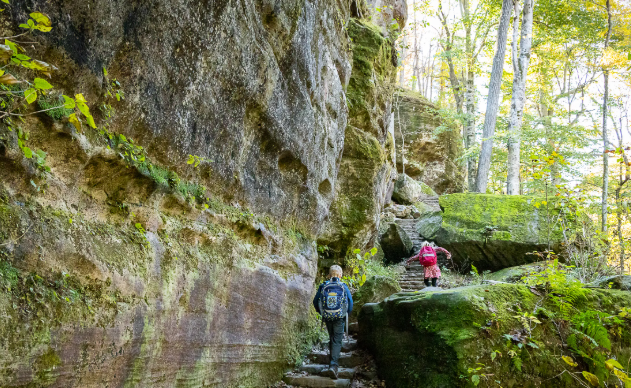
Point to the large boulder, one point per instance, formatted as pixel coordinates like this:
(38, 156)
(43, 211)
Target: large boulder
(374, 290)
(408, 191)
(431, 155)
(396, 244)
(440, 339)
(430, 219)
(494, 232)
(617, 282)
(515, 274)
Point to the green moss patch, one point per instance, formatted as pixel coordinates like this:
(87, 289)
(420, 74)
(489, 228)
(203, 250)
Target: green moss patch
(438, 339)
(497, 231)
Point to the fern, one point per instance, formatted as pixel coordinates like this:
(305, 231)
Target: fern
(517, 362)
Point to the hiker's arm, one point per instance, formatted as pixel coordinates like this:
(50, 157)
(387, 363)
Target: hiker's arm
(411, 259)
(443, 250)
(350, 299)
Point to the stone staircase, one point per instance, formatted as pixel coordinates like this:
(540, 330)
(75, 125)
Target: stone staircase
(314, 373)
(412, 279)
(409, 226)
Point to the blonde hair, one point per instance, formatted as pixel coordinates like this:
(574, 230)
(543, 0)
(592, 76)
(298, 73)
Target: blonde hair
(335, 271)
(426, 243)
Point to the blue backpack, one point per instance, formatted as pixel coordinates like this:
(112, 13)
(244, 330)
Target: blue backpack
(333, 301)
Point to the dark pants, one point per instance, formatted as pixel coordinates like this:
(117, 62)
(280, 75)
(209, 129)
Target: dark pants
(434, 280)
(336, 335)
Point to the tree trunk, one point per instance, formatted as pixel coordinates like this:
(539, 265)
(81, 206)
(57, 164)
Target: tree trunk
(518, 100)
(403, 54)
(415, 52)
(469, 95)
(470, 127)
(605, 139)
(492, 107)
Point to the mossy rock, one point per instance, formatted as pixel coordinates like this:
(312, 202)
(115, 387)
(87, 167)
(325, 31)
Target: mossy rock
(431, 339)
(617, 282)
(374, 71)
(494, 232)
(431, 153)
(408, 191)
(376, 289)
(514, 274)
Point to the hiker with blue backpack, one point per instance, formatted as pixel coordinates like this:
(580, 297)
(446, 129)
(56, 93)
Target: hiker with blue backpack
(334, 302)
(428, 258)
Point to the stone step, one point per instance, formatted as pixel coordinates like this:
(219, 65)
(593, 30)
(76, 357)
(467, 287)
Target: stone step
(349, 346)
(315, 381)
(416, 275)
(347, 360)
(413, 281)
(322, 370)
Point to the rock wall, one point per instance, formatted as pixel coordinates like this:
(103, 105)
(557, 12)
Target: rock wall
(429, 157)
(367, 172)
(125, 266)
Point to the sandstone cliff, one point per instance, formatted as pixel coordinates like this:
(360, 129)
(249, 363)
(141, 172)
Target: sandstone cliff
(126, 266)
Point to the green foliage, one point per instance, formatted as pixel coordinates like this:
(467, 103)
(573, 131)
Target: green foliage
(589, 330)
(54, 106)
(196, 160)
(38, 21)
(356, 264)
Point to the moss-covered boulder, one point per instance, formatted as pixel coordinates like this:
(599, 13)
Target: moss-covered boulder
(430, 219)
(408, 191)
(440, 339)
(396, 244)
(431, 156)
(374, 290)
(515, 274)
(617, 282)
(496, 231)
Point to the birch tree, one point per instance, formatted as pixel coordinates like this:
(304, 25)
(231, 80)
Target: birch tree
(521, 62)
(605, 139)
(492, 103)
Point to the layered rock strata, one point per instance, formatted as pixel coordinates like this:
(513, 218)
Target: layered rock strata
(126, 266)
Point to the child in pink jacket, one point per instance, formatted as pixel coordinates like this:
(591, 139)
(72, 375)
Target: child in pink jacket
(431, 271)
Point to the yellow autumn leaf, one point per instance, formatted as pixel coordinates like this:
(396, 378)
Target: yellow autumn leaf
(611, 364)
(620, 374)
(569, 361)
(79, 97)
(591, 378)
(75, 121)
(613, 59)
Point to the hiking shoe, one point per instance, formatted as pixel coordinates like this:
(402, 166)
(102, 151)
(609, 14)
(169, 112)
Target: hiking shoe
(334, 372)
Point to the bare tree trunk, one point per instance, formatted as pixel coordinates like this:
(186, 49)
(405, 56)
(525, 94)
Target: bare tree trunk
(605, 140)
(415, 49)
(469, 95)
(398, 103)
(470, 127)
(492, 107)
(520, 66)
(403, 54)
(624, 175)
(447, 48)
